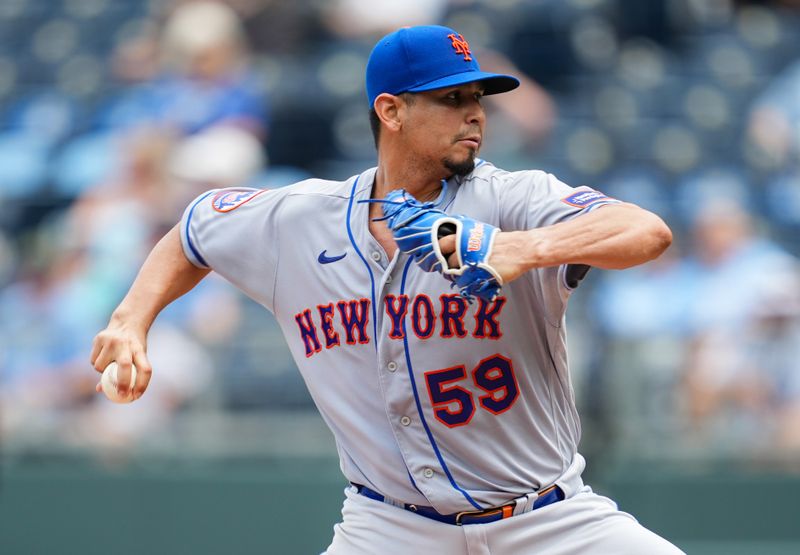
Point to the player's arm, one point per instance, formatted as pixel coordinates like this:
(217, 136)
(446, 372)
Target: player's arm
(165, 275)
(614, 236)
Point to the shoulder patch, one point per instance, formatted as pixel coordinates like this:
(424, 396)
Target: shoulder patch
(231, 199)
(585, 197)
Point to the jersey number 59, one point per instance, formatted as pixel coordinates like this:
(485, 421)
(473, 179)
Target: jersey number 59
(454, 405)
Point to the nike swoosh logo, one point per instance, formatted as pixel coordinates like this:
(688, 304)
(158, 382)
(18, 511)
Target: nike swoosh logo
(323, 258)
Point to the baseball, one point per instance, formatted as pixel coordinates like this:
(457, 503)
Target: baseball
(109, 384)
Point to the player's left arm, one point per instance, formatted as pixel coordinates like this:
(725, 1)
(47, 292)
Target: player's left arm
(613, 236)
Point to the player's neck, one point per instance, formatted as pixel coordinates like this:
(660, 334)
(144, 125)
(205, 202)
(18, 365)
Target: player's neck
(421, 185)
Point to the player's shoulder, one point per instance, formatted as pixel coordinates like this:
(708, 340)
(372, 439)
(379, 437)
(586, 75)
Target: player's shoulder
(320, 187)
(253, 201)
(486, 173)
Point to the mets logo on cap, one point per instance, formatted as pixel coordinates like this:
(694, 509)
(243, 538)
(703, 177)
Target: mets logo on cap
(460, 45)
(231, 199)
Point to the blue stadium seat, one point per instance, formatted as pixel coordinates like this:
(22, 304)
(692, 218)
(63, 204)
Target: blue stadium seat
(83, 162)
(712, 185)
(23, 164)
(45, 113)
(782, 199)
(642, 185)
(782, 208)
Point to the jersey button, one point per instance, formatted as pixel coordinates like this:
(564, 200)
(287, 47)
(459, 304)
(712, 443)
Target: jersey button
(405, 421)
(428, 473)
(388, 279)
(391, 366)
(375, 255)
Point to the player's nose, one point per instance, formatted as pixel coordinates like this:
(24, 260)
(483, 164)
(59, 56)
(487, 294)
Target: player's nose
(476, 114)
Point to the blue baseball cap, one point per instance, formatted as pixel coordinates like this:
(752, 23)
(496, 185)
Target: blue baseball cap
(427, 57)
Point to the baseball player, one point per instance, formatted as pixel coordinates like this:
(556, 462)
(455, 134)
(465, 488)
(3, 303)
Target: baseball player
(423, 301)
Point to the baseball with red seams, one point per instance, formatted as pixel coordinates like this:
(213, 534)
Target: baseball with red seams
(108, 382)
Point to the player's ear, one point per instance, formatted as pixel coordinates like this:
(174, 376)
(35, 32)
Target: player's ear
(389, 109)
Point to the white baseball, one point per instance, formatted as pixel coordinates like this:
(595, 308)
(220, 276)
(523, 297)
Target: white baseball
(109, 383)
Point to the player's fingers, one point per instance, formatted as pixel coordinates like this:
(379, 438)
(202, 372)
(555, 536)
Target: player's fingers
(103, 350)
(97, 346)
(452, 261)
(144, 371)
(124, 363)
(106, 355)
(99, 387)
(447, 244)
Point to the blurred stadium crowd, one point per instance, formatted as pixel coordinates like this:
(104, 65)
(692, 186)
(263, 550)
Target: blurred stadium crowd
(114, 114)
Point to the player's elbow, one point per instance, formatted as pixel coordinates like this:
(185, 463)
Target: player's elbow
(656, 236)
(646, 238)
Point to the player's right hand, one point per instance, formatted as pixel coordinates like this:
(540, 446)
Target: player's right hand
(126, 345)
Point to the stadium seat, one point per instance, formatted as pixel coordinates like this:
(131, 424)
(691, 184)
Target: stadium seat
(83, 162)
(23, 164)
(45, 113)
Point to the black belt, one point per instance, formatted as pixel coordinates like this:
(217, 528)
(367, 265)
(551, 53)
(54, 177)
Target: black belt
(545, 497)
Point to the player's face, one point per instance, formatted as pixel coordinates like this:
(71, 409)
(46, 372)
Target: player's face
(445, 127)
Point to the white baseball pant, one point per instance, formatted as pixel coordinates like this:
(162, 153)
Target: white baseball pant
(584, 524)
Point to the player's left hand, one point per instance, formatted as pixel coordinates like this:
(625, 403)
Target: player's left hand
(418, 229)
(505, 255)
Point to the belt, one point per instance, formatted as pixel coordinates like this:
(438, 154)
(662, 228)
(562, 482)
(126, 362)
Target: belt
(544, 497)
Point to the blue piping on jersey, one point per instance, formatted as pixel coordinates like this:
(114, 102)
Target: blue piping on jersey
(363, 259)
(419, 405)
(413, 483)
(186, 230)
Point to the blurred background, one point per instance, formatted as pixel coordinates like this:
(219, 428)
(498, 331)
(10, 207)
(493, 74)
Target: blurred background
(115, 113)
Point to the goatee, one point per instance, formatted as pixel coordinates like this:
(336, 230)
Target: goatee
(460, 168)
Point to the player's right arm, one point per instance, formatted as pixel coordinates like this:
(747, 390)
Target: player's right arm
(165, 275)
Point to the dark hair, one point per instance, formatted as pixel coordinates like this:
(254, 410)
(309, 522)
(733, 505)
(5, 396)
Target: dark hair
(375, 125)
(375, 121)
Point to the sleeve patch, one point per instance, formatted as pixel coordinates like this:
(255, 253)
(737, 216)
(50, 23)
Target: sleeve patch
(585, 198)
(231, 199)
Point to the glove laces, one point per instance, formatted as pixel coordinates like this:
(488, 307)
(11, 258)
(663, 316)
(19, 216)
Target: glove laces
(400, 199)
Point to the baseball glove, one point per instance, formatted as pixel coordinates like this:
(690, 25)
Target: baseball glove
(417, 228)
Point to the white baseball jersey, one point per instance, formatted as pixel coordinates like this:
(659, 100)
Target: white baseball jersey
(431, 400)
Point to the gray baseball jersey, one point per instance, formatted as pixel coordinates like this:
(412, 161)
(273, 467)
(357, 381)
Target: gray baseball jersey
(431, 400)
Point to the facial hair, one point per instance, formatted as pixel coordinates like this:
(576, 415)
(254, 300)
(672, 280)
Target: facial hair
(462, 168)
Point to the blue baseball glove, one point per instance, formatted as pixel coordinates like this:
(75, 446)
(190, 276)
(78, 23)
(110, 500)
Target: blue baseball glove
(417, 228)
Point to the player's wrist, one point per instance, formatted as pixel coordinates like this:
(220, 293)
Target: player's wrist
(124, 317)
(531, 246)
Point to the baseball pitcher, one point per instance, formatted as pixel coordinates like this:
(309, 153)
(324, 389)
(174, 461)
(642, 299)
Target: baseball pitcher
(423, 301)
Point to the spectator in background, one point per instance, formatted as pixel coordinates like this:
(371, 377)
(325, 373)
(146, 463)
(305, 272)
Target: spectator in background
(650, 302)
(222, 156)
(45, 314)
(774, 121)
(731, 267)
(713, 334)
(160, 174)
(529, 110)
(67, 290)
(374, 18)
(741, 377)
(718, 284)
(203, 77)
(282, 28)
(742, 389)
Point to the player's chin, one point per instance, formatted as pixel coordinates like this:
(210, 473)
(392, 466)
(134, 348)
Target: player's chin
(462, 165)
